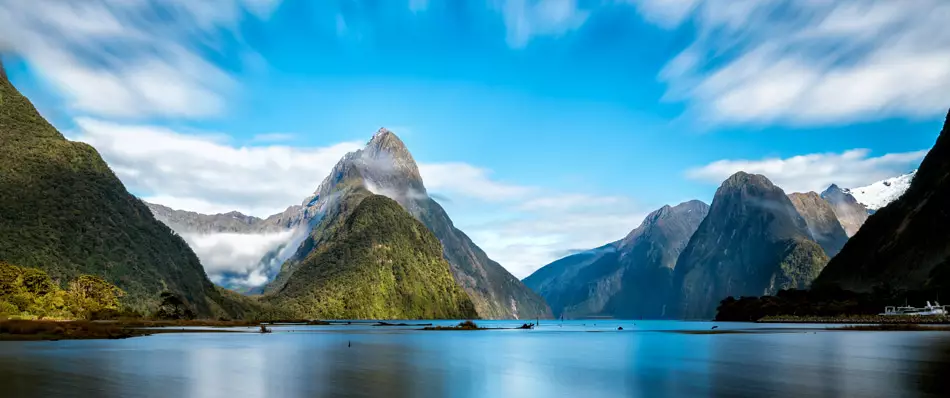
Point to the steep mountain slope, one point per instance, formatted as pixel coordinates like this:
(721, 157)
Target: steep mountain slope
(881, 193)
(850, 213)
(380, 264)
(630, 278)
(821, 220)
(188, 221)
(64, 211)
(752, 242)
(904, 244)
(386, 167)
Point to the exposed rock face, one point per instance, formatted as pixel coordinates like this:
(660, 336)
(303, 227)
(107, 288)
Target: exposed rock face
(386, 167)
(64, 211)
(753, 242)
(904, 245)
(850, 213)
(821, 220)
(381, 263)
(627, 279)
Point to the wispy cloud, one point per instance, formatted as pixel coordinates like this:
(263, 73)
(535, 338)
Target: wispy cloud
(527, 19)
(812, 62)
(467, 180)
(815, 172)
(121, 58)
(206, 173)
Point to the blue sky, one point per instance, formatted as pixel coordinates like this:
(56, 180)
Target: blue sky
(544, 126)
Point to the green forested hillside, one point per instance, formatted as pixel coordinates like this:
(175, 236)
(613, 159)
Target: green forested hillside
(63, 210)
(377, 262)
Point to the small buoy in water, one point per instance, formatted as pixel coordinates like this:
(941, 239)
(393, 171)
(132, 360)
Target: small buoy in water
(620, 328)
(349, 344)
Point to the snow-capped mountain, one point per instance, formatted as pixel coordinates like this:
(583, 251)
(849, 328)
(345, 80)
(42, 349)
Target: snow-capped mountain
(881, 193)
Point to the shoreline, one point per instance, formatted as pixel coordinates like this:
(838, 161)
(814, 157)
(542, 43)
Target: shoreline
(859, 320)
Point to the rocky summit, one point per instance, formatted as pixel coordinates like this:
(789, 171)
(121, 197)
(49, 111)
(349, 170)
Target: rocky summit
(386, 167)
(627, 279)
(821, 220)
(850, 213)
(753, 242)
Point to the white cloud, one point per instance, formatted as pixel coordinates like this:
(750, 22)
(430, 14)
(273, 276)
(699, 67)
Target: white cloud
(206, 173)
(529, 242)
(232, 252)
(666, 13)
(815, 172)
(813, 62)
(468, 180)
(527, 19)
(128, 58)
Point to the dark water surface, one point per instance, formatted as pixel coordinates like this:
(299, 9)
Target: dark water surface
(578, 359)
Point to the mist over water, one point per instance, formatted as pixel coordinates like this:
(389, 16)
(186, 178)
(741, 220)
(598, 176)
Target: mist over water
(570, 359)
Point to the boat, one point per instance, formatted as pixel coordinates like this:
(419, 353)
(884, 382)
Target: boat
(929, 310)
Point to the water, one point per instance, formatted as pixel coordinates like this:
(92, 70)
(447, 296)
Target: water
(578, 359)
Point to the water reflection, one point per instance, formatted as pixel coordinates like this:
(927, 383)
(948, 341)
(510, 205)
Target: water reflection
(551, 362)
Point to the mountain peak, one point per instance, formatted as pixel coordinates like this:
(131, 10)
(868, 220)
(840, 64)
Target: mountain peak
(742, 178)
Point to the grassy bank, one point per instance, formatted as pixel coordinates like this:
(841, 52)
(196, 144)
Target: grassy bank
(28, 330)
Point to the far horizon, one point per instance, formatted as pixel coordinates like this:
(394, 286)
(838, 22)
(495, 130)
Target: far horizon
(543, 128)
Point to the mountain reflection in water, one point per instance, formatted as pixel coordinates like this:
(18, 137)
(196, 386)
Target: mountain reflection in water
(646, 359)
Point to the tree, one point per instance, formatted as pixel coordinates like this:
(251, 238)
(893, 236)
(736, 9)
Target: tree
(36, 281)
(90, 294)
(173, 307)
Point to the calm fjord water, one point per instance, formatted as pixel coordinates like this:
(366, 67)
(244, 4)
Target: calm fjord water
(578, 359)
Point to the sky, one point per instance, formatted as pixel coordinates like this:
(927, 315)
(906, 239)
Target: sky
(542, 126)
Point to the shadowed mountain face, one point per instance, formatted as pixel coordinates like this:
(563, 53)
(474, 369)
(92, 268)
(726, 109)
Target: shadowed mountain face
(753, 242)
(380, 263)
(385, 167)
(64, 211)
(821, 220)
(627, 279)
(905, 244)
(850, 213)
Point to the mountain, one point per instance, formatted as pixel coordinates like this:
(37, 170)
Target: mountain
(851, 214)
(386, 167)
(753, 242)
(232, 222)
(63, 210)
(881, 193)
(381, 263)
(821, 220)
(627, 279)
(904, 244)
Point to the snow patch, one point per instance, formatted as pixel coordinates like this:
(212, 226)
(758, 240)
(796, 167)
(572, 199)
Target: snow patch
(882, 193)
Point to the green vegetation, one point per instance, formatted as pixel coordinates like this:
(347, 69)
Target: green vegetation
(800, 265)
(63, 211)
(30, 293)
(377, 262)
(464, 325)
